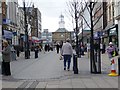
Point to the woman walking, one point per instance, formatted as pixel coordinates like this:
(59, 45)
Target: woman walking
(67, 53)
(6, 56)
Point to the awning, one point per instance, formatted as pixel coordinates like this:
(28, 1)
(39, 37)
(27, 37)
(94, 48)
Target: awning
(35, 39)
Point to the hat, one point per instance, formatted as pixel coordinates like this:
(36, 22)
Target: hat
(110, 43)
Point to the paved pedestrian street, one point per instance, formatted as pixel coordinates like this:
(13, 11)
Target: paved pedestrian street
(46, 72)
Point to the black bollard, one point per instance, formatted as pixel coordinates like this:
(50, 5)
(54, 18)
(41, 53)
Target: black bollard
(75, 66)
(118, 65)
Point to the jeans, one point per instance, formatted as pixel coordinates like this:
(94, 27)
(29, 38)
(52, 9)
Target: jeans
(67, 58)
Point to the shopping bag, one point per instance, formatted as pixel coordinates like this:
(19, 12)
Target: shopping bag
(61, 57)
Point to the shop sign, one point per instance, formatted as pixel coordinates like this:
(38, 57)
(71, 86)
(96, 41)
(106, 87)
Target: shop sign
(7, 34)
(15, 33)
(6, 21)
(112, 31)
(98, 34)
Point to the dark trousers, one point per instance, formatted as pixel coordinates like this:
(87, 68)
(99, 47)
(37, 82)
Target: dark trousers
(57, 50)
(67, 58)
(36, 54)
(18, 53)
(6, 68)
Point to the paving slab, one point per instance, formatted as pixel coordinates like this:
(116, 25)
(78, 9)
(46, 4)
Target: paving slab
(42, 85)
(78, 83)
(89, 83)
(11, 84)
(113, 83)
(65, 84)
(101, 82)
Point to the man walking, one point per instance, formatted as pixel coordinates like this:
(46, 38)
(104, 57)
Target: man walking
(57, 47)
(67, 52)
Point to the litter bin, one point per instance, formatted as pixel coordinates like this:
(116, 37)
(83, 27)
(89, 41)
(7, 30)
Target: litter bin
(75, 66)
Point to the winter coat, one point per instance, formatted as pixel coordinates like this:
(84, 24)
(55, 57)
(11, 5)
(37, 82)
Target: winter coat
(67, 49)
(110, 50)
(6, 54)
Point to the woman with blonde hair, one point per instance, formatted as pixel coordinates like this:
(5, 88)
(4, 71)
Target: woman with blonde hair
(6, 57)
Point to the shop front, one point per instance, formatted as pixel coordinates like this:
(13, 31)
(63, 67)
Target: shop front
(111, 35)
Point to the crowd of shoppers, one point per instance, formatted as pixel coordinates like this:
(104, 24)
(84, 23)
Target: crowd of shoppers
(65, 49)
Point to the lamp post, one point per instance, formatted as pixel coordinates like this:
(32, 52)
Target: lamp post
(27, 52)
(76, 30)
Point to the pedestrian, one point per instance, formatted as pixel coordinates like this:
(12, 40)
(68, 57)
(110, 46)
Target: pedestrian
(48, 47)
(40, 48)
(67, 52)
(110, 50)
(45, 47)
(6, 57)
(88, 49)
(104, 46)
(18, 53)
(82, 49)
(18, 50)
(36, 51)
(57, 47)
(85, 47)
(61, 44)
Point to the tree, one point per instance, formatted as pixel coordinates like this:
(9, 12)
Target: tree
(74, 9)
(77, 7)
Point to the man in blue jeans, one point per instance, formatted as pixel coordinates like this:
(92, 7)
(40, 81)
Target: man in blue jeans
(67, 52)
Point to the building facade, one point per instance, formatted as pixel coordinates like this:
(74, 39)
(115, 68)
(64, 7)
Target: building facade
(46, 37)
(117, 17)
(21, 32)
(111, 30)
(105, 25)
(12, 10)
(61, 34)
(36, 26)
(9, 22)
(6, 32)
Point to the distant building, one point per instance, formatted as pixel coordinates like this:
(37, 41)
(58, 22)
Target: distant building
(37, 26)
(34, 21)
(61, 34)
(21, 26)
(46, 37)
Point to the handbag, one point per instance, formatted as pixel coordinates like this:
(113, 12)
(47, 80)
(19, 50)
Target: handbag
(61, 57)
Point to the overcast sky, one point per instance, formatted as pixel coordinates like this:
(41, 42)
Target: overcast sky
(50, 11)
